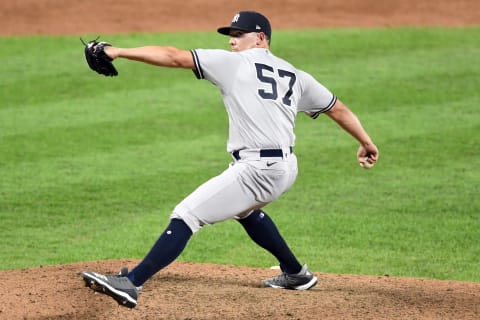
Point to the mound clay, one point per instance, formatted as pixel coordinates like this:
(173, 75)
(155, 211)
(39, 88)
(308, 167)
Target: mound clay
(206, 291)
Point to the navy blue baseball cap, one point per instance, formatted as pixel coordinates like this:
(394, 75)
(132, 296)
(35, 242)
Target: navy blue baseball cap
(249, 21)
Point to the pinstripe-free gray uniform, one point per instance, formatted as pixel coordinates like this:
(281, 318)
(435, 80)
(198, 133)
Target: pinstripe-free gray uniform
(262, 95)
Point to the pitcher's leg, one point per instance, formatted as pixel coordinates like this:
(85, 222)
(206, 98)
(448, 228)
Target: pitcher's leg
(165, 250)
(220, 198)
(263, 232)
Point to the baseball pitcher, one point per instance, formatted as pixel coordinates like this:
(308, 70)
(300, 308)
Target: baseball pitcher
(262, 94)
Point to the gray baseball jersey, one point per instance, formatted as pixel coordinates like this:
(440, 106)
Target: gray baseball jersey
(261, 112)
(262, 95)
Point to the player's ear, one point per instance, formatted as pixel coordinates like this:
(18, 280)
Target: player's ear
(260, 37)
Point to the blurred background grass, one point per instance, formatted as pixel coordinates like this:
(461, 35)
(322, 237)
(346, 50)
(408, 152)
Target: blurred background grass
(91, 167)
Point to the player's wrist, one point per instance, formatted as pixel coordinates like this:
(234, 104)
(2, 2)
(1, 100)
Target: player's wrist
(112, 52)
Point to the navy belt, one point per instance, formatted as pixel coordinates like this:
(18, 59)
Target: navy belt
(264, 153)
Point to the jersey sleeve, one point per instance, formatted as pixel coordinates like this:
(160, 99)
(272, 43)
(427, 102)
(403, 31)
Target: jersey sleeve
(316, 98)
(217, 66)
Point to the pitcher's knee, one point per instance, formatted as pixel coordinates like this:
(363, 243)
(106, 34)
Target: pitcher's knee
(190, 219)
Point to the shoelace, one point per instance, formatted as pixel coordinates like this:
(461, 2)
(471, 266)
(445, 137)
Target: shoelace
(122, 275)
(282, 276)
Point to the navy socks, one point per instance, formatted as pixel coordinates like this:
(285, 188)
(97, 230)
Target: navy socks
(263, 232)
(173, 240)
(167, 248)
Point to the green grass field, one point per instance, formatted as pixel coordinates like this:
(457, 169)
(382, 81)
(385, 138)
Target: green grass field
(91, 167)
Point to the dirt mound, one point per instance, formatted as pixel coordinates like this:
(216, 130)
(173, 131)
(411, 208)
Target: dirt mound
(204, 291)
(207, 291)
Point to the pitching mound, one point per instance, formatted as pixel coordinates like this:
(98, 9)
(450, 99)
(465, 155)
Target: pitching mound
(205, 291)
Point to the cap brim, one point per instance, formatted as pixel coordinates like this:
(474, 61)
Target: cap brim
(226, 30)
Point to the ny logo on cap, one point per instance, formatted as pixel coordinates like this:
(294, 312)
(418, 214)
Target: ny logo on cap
(236, 17)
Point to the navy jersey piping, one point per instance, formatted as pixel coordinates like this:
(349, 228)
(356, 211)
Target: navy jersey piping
(329, 106)
(198, 69)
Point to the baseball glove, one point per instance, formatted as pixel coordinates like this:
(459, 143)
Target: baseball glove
(97, 59)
